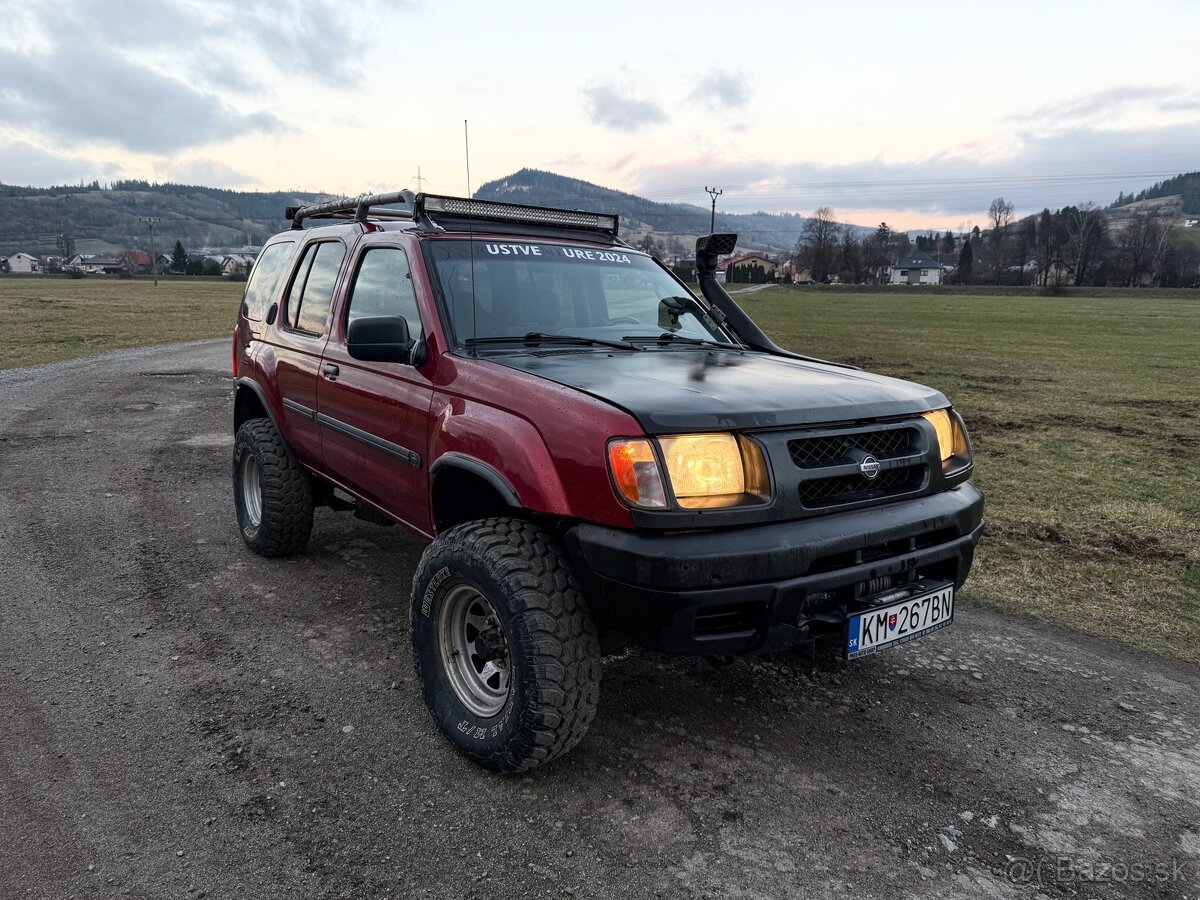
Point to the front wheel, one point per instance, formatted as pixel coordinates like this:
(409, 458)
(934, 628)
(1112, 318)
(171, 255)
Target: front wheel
(504, 645)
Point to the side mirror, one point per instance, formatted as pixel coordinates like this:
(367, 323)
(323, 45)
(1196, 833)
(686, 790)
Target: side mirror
(380, 339)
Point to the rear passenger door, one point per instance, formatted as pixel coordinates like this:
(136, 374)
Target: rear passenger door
(375, 415)
(299, 340)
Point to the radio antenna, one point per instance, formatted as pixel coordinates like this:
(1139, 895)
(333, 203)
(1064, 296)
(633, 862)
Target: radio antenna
(470, 232)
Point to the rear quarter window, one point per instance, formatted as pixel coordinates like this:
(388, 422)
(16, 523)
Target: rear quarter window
(263, 287)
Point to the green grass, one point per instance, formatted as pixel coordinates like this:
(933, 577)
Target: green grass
(53, 318)
(1085, 415)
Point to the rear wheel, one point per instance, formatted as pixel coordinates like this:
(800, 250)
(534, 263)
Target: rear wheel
(504, 645)
(272, 492)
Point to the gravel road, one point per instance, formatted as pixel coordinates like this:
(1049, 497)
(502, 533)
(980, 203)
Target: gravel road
(183, 719)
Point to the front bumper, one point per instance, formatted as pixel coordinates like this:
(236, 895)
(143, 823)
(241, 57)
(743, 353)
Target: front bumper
(769, 587)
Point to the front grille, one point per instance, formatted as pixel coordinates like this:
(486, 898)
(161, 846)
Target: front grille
(828, 461)
(855, 488)
(817, 452)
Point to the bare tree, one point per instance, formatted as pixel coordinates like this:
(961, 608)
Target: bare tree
(1000, 214)
(1087, 230)
(1143, 244)
(817, 248)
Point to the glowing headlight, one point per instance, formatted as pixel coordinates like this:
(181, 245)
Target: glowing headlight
(706, 471)
(953, 445)
(712, 470)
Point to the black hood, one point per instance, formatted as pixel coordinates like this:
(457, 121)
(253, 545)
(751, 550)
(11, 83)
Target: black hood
(709, 390)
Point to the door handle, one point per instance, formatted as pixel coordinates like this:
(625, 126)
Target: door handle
(331, 371)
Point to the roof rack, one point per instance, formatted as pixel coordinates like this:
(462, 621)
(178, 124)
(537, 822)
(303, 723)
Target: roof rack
(452, 210)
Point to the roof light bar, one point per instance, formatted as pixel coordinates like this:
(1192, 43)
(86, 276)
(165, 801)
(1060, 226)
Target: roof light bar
(420, 206)
(514, 212)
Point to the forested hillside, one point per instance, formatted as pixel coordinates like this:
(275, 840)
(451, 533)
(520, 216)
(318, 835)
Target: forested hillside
(108, 219)
(1186, 186)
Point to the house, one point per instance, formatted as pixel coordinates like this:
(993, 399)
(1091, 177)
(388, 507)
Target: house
(1191, 223)
(748, 268)
(137, 261)
(236, 264)
(916, 268)
(95, 265)
(23, 263)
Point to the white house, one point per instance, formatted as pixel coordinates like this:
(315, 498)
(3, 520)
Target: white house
(916, 268)
(23, 263)
(237, 264)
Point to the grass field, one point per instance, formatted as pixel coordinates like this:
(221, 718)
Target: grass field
(1085, 413)
(47, 319)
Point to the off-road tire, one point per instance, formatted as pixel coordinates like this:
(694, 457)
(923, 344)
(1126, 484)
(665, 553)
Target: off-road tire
(286, 492)
(552, 646)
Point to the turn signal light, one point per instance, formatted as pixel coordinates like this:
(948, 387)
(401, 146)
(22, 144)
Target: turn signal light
(635, 473)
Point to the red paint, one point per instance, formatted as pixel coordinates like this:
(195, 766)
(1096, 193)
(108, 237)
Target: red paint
(547, 441)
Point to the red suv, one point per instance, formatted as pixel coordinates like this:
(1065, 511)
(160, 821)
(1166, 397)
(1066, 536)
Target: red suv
(598, 455)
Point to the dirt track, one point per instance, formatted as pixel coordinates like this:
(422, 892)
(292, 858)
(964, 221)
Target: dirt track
(182, 718)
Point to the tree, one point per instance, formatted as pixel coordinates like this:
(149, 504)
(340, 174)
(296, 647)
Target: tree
(65, 243)
(1143, 245)
(179, 259)
(1087, 233)
(818, 244)
(947, 244)
(1000, 214)
(854, 259)
(966, 261)
(1045, 249)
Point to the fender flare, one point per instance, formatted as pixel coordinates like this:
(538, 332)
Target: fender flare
(252, 385)
(456, 460)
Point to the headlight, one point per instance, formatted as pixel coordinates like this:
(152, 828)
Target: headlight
(706, 471)
(954, 446)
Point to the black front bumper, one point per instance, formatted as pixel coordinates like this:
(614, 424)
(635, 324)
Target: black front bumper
(769, 587)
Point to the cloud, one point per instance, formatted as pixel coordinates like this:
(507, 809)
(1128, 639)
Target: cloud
(102, 96)
(618, 109)
(208, 172)
(1144, 101)
(722, 88)
(1052, 169)
(25, 163)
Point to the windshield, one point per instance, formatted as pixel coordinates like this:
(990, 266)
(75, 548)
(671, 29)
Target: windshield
(522, 288)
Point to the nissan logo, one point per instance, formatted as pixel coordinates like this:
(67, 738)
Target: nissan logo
(869, 468)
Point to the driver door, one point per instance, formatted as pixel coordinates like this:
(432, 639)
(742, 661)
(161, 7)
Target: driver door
(375, 415)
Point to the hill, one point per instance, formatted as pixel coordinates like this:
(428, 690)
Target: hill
(1184, 188)
(681, 221)
(105, 220)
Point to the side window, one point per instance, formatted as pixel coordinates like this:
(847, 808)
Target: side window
(383, 287)
(312, 288)
(264, 281)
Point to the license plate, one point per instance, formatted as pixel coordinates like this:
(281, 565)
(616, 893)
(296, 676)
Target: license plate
(875, 629)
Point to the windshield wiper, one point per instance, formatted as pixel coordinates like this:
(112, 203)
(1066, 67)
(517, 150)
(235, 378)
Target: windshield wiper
(668, 338)
(534, 338)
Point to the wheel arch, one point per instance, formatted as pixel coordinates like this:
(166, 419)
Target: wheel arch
(249, 402)
(463, 489)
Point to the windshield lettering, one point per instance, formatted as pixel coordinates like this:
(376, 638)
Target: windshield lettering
(514, 249)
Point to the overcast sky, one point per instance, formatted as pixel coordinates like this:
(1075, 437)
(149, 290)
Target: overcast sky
(916, 115)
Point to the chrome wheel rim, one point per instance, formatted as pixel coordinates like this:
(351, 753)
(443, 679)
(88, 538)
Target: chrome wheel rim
(251, 490)
(474, 651)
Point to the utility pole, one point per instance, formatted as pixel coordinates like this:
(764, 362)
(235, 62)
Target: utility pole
(152, 221)
(420, 180)
(714, 193)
